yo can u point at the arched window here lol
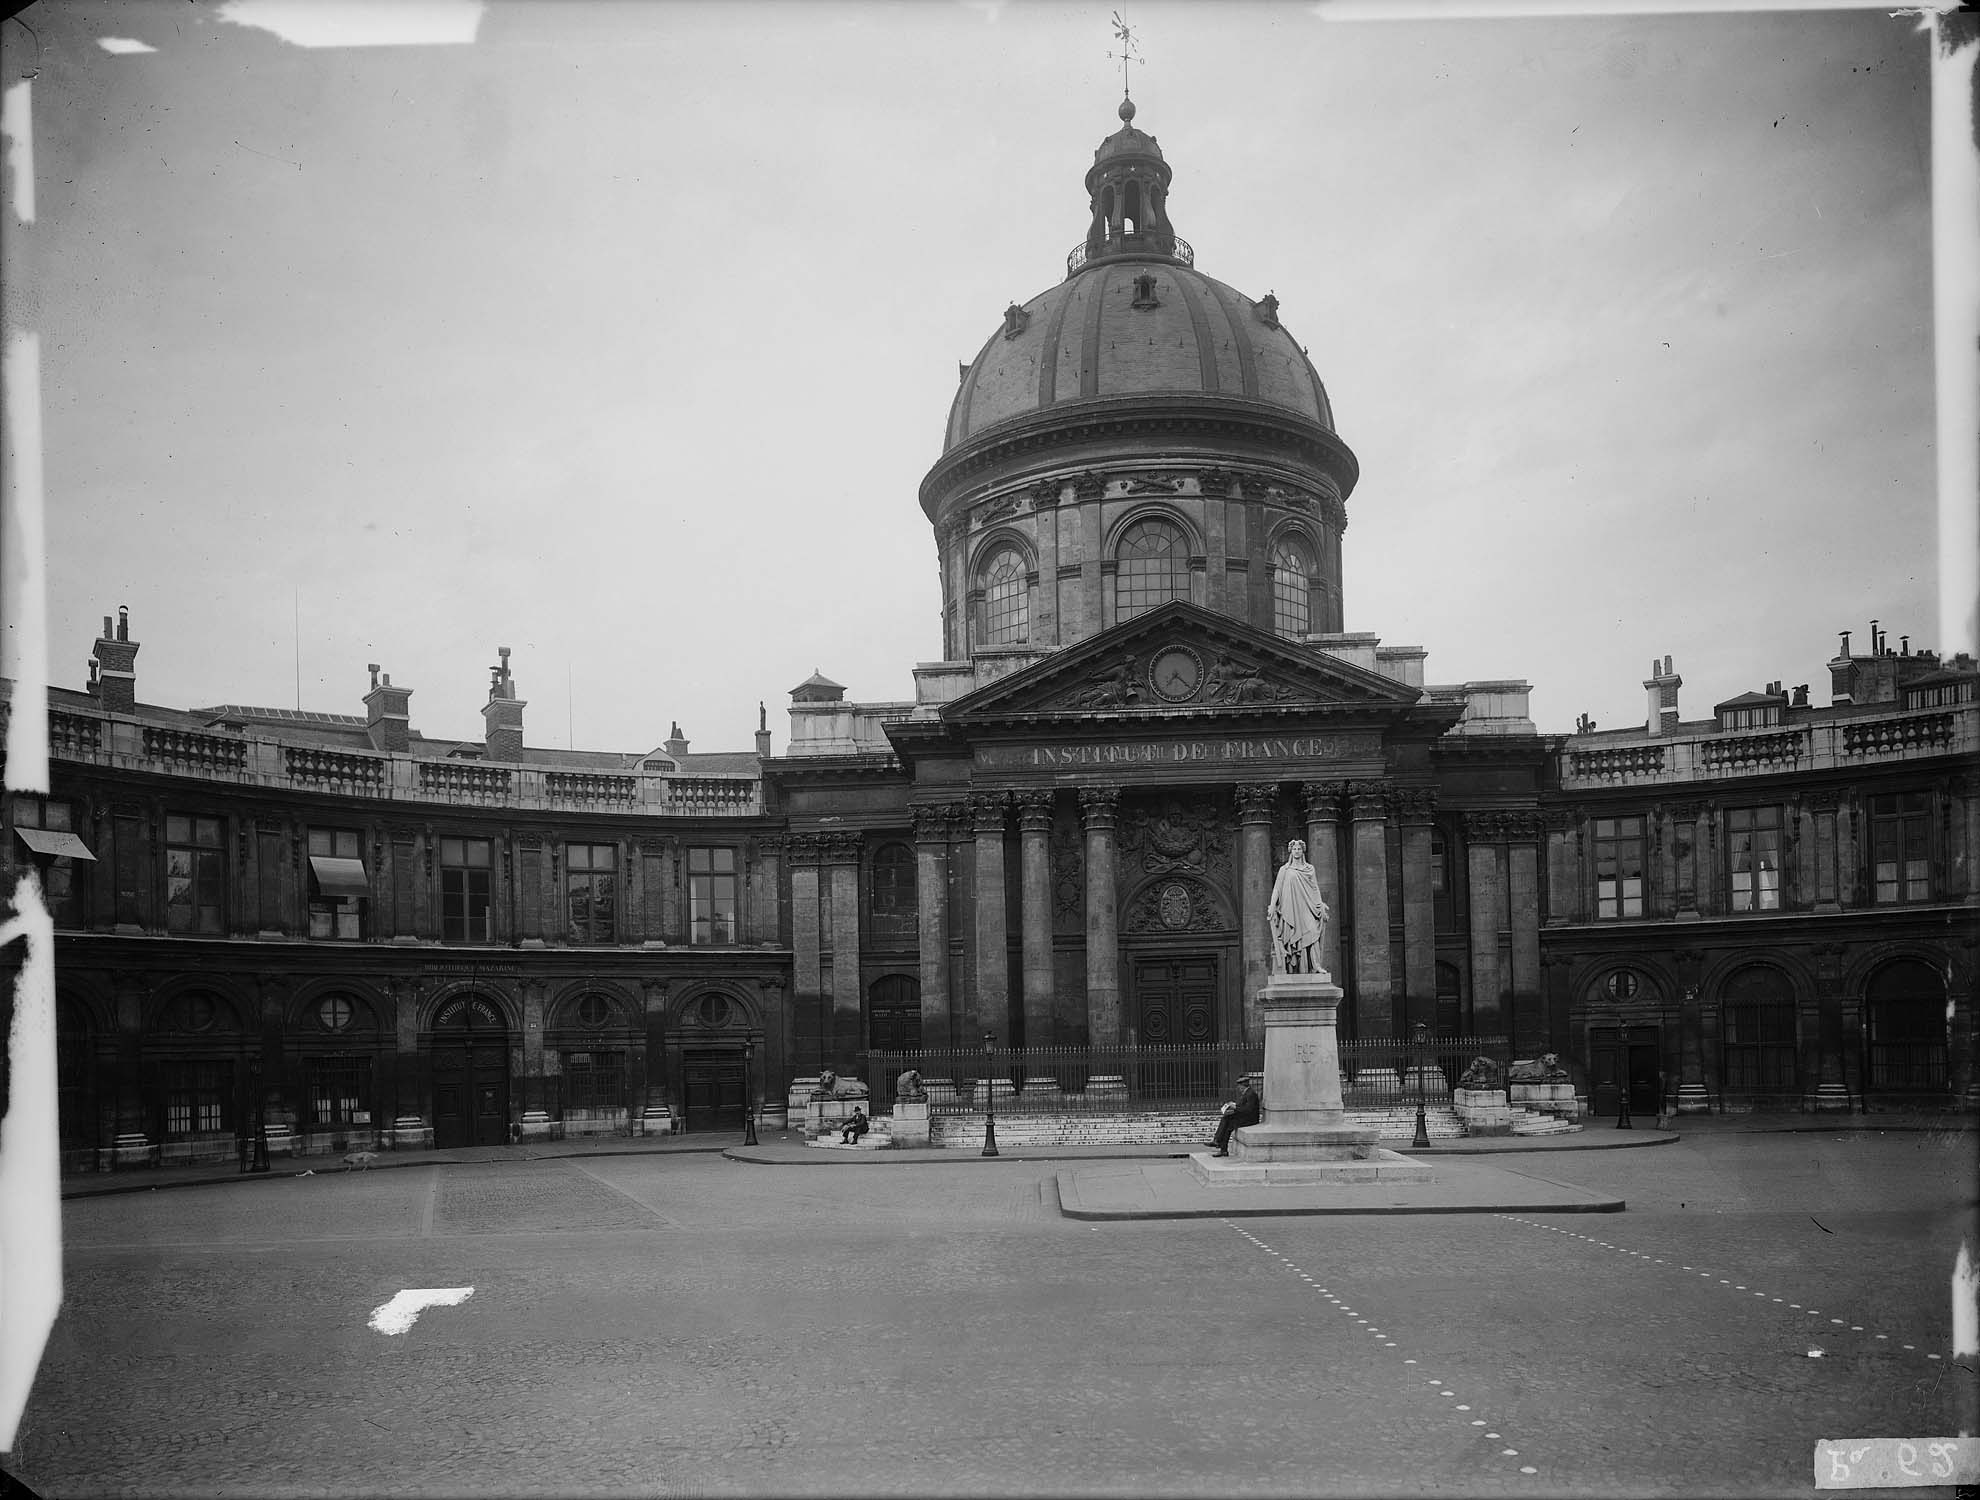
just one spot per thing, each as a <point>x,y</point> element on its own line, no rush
<point>1006,601</point>
<point>1757,1034</point>
<point>1905,1014</point>
<point>1292,588</point>
<point>1152,567</point>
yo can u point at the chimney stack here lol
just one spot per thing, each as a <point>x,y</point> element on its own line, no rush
<point>503,713</point>
<point>113,663</point>
<point>676,743</point>
<point>1662,688</point>
<point>387,713</point>
<point>762,731</point>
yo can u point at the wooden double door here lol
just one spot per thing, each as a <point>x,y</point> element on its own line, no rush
<point>470,1091</point>
<point>1176,998</point>
<point>713,1090</point>
<point>1625,1057</point>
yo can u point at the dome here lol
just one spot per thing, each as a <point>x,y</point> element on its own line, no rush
<point>1131,326</point>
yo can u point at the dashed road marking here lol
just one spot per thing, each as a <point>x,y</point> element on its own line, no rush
<point>1433,1381</point>
<point>1724,1281</point>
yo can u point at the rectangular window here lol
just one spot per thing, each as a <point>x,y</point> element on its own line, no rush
<point>63,891</point>
<point>1618,868</point>
<point>591,892</point>
<point>711,895</point>
<point>338,1090</point>
<point>464,890</point>
<point>1900,864</point>
<point>198,1098</point>
<point>194,874</point>
<point>336,906</point>
<point>1753,853</point>
<point>594,1080</point>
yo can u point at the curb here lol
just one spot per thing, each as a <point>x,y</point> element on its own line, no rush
<point>133,1185</point>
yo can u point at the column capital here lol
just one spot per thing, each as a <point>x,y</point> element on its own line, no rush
<point>1035,810</point>
<point>1687,812</point>
<point>933,821</point>
<point>805,848</point>
<point>1098,805</point>
<point>769,845</point>
<point>1521,825</point>
<point>989,811</point>
<point>841,848</point>
<point>1486,827</point>
<point>1256,801</point>
<point>1413,804</point>
<point>1323,798</point>
<point>1558,819</point>
<point>1367,800</point>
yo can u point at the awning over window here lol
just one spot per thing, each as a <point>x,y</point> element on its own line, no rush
<point>54,845</point>
<point>339,877</point>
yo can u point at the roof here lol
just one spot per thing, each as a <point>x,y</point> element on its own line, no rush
<point>1099,335</point>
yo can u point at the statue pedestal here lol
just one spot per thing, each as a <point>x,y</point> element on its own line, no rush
<point>1303,1134</point>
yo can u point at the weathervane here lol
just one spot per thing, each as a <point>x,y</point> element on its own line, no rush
<point>1130,50</point>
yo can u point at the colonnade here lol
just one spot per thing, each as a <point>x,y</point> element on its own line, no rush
<point>1347,826</point>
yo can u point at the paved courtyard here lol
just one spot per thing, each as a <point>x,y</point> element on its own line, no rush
<point>687,1325</point>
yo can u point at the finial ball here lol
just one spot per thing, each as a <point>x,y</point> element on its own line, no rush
<point>1126,111</point>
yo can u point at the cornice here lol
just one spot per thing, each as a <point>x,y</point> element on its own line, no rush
<point>1112,418</point>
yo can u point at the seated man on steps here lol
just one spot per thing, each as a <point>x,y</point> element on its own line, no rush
<point>855,1128</point>
<point>1242,1112</point>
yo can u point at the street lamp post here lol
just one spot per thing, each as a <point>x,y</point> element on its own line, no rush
<point>749,1101</point>
<point>1422,1141</point>
<point>989,1094</point>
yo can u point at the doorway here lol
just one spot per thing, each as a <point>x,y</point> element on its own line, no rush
<point>712,1090</point>
<point>470,1074</point>
<point>1175,1009</point>
<point>1625,1057</point>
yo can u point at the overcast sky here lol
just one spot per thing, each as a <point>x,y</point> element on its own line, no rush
<point>624,336</point>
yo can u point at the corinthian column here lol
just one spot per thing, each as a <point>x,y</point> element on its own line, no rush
<point>931,890</point>
<point>993,964</point>
<point>1416,808</point>
<point>1374,1007</point>
<point>1035,879</point>
<point>1255,803</point>
<point>1098,805</point>
<point>1323,852</point>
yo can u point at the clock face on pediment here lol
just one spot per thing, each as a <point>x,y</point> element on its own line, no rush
<point>1176,673</point>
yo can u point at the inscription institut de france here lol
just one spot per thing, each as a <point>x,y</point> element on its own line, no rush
<point>1209,752</point>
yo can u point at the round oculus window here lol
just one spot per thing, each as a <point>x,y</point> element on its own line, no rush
<point>1623,985</point>
<point>335,1013</point>
<point>593,1010</point>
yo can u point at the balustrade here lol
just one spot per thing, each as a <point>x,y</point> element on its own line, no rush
<point>201,752</point>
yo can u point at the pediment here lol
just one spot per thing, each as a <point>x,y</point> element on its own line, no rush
<point>1180,658</point>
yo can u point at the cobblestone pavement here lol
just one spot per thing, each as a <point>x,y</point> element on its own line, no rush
<point>688,1325</point>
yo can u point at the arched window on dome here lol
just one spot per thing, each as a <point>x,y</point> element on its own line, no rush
<point>1151,568</point>
<point>1292,588</point>
<point>1006,600</point>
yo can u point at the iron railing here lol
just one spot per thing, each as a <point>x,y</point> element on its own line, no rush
<point>1148,243</point>
<point>1904,1067</point>
<point>1130,1079</point>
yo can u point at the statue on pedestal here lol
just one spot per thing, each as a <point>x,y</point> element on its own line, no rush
<point>1298,915</point>
<point>909,1089</point>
